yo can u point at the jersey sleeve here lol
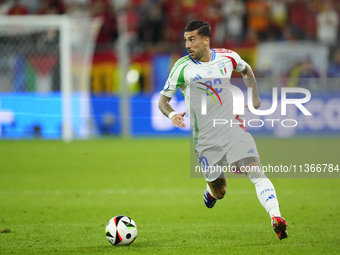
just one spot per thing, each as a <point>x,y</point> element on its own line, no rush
<point>238,63</point>
<point>169,89</point>
<point>175,79</point>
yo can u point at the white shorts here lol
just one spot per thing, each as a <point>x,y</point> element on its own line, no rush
<point>242,146</point>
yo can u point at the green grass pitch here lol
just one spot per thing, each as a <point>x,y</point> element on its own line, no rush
<point>56,198</point>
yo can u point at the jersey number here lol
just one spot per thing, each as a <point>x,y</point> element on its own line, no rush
<point>213,84</point>
<point>203,161</point>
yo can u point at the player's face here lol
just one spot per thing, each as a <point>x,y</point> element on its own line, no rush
<point>196,44</point>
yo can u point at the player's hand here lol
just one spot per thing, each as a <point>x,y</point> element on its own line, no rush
<point>178,120</point>
<point>256,104</point>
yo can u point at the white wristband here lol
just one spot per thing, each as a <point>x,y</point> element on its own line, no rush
<point>172,114</point>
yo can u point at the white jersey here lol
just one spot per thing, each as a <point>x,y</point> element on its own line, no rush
<point>195,79</point>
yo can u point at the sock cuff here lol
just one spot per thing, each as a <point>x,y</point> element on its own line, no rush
<point>210,192</point>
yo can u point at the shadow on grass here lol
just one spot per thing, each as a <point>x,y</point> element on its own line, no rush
<point>135,245</point>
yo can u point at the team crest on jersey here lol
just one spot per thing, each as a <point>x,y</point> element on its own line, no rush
<point>222,67</point>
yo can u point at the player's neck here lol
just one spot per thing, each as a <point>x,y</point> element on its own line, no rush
<point>206,57</point>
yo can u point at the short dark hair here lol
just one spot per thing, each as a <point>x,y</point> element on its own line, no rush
<point>203,28</point>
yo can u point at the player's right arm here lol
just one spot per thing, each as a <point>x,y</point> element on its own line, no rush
<point>164,106</point>
<point>175,79</point>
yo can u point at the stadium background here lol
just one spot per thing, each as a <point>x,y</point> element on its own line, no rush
<point>57,197</point>
<point>284,47</point>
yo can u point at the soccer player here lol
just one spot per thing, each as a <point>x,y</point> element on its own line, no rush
<point>223,144</point>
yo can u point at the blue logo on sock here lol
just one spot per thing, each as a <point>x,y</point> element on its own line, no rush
<point>270,197</point>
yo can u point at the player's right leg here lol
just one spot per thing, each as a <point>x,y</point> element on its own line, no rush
<point>216,189</point>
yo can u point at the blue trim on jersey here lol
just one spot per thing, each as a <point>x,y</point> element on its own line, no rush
<point>195,61</point>
<point>213,55</point>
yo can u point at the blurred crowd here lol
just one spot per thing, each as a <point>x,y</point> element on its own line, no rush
<point>241,22</point>
<point>159,24</point>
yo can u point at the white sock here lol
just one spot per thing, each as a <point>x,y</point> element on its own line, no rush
<point>209,190</point>
<point>265,192</point>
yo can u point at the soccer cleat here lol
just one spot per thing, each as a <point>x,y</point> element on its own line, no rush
<point>209,200</point>
<point>280,227</point>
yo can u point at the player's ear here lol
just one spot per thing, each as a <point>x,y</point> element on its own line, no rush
<point>206,41</point>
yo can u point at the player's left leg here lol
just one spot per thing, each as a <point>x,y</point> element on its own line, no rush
<point>265,192</point>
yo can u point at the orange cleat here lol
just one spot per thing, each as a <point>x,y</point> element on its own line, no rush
<point>280,227</point>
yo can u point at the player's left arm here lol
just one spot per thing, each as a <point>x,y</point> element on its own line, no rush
<point>250,81</point>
